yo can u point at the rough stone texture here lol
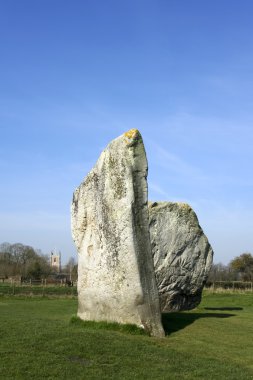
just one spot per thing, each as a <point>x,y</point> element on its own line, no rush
<point>116,280</point>
<point>182,255</point>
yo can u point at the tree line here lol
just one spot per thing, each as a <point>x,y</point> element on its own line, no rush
<point>239,269</point>
<point>25,261</point>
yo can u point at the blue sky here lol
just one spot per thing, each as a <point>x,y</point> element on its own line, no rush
<point>74,75</point>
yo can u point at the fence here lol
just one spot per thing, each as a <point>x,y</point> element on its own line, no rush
<point>42,289</point>
<point>230,285</point>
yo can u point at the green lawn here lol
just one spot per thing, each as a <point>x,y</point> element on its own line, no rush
<point>215,341</point>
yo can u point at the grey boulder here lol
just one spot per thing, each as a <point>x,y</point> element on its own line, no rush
<point>181,253</point>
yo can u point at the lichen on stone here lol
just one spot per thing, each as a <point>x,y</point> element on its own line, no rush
<point>132,137</point>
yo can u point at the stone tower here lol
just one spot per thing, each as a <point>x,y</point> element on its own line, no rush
<point>55,260</point>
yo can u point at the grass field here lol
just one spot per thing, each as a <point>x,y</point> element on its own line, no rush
<point>38,341</point>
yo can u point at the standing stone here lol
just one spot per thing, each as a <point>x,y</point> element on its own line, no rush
<point>110,227</point>
<point>182,255</point>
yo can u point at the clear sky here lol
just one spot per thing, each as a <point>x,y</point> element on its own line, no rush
<point>76,74</point>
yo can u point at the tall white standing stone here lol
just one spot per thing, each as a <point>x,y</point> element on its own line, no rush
<point>116,280</point>
<point>182,255</point>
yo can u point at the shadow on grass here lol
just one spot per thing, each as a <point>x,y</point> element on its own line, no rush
<point>224,308</point>
<point>173,322</point>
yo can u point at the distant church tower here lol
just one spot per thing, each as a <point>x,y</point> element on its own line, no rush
<point>55,260</point>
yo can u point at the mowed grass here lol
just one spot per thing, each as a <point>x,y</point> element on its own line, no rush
<point>40,339</point>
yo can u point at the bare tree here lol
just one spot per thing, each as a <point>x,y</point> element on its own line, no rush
<point>243,266</point>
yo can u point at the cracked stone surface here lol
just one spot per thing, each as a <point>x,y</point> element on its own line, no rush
<point>182,255</point>
<point>110,227</point>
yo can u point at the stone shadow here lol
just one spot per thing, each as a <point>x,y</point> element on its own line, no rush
<point>173,322</point>
<point>223,308</point>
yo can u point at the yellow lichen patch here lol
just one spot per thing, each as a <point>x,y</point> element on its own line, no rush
<point>132,133</point>
<point>132,137</point>
<point>184,205</point>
